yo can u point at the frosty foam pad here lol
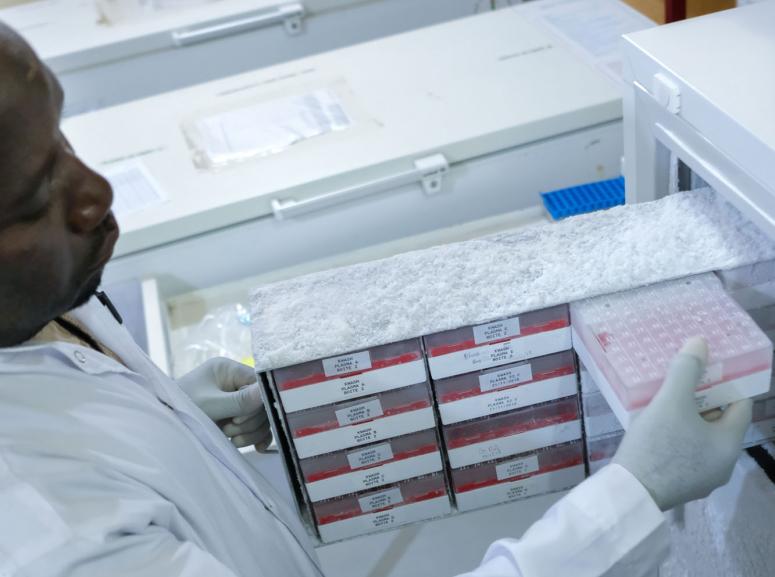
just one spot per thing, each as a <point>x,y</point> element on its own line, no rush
<point>626,341</point>
<point>500,276</point>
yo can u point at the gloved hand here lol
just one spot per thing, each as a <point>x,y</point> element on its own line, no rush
<point>228,393</point>
<point>677,454</point>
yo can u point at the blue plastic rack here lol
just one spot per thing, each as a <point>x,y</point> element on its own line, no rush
<point>585,198</point>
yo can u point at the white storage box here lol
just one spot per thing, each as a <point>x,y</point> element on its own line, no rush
<point>492,391</point>
<point>545,471</point>
<point>499,342</point>
<point>513,433</point>
<point>351,376</point>
<point>407,502</point>
<point>364,468</point>
<point>361,422</point>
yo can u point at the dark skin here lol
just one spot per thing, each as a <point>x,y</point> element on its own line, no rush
<point>57,231</point>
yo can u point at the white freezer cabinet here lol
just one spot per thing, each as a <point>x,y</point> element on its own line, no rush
<point>107,52</point>
<point>392,138</point>
<point>709,106</point>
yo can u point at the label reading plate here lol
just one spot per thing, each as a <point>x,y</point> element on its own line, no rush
<point>505,378</point>
<point>359,413</point>
<point>345,364</point>
<point>370,456</point>
<point>496,331</point>
<point>517,468</point>
<point>381,500</point>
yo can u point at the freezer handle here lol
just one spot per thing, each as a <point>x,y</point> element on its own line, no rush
<point>289,15</point>
<point>427,172</point>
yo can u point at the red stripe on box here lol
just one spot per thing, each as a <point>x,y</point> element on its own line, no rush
<point>514,429</point>
<point>476,391</point>
<point>525,332</point>
<point>357,512</point>
<point>424,450</point>
<point>375,365</point>
<point>490,482</point>
<point>330,425</point>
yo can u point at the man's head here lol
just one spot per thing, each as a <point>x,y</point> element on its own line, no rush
<point>56,228</point>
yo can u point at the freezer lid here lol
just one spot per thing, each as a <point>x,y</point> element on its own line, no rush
<point>722,66</point>
<point>72,34</point>
<point>453,91</point>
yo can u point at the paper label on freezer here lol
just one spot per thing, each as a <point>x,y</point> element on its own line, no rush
<point>505,378</point>
<point>134,189</point>
<point>370,456</point>
<point>359,413</point>
<point>345,364</point>
<point>266,128</point>
<point>517,467</point>
<point>381,500</point>
<point>496,331</point>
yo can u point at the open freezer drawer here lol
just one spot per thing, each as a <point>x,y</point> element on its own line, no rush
<point>439,126</point>
<point>107,52</point>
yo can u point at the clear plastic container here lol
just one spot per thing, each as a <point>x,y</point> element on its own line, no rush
<point>470,337</point>
<point>632,336</point>
<point>522,467</point>
<point>314,372</point>
<point>381,406</point>
<point>764,410</point>
<point>473,384</point>
<point>748,276</point>
<point>764,317</point>
<point>601,450</point>
<point>599,419</point>
<point>383,499</point>
<point>369,456</point>
<point>511,423</point>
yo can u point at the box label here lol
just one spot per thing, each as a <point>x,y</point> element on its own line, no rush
<point>359,413</point>
<point>381,500</point>
<point>370,480</point>
<point>505,378</point>
<point>370,456</point>
<point>517,468</point>
<point>496,331</point>
<point>347,364</point>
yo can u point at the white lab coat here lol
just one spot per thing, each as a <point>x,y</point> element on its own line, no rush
<point>111,470</point>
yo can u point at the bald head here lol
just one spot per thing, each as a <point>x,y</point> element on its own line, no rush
<point>56,228</point>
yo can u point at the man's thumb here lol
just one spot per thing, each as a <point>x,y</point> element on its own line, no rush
<point>684,374</point>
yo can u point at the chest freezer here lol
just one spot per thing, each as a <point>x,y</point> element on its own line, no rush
<point>701,91</point>
<point>396,137</point>
<point>107,52</point>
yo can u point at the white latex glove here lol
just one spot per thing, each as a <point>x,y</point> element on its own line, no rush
<point>677,454</point>
<point>228,393</point>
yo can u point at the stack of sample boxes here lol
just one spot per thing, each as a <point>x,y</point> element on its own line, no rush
<point>602,430</point>
<point>753,287</point>
<point>507,394</point>
<point>365,440</point>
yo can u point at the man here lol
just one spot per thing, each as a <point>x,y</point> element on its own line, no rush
<point>108,467</point>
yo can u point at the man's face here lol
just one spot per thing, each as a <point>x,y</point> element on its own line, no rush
<point>56,228</point>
